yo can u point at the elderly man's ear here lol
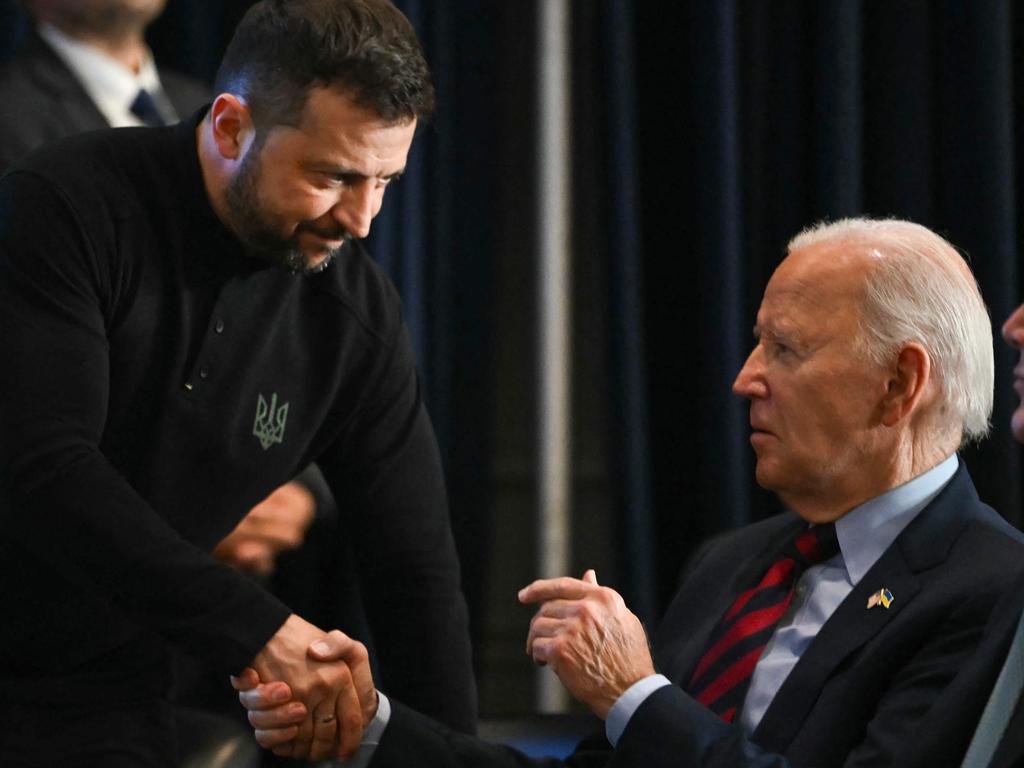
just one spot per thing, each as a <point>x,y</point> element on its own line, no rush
<point>907,384</point>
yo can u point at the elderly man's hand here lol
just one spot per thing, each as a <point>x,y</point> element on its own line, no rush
<point>585,633</point>
<point>276,524</point>
<point>309,694</point>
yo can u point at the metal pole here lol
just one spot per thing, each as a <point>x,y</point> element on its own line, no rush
<point>555,310</point>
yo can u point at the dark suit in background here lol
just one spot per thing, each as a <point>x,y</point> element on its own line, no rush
<point>43,101</point>
<point>859,693</point>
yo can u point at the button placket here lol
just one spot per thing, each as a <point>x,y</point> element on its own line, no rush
<point>204,367</point>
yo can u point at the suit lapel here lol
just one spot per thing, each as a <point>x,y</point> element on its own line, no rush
<point>924,544</point>
<point>53,78</point>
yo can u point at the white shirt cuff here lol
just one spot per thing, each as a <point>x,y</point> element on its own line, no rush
<point>372,735</point>
<point>628,703</point>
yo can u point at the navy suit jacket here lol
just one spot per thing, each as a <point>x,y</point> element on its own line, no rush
<point>857,695</point>
<point>43,100</point>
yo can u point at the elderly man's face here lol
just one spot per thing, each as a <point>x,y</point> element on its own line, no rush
<point>813,398</point>
<point>1013,332</point>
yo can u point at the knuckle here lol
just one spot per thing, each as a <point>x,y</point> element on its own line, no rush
<point>322,682</point>
<point>587,611</point>
<point>359,652</point>
<point>338,636</point>
<point>344,676</point>
<point>558,653</point>
<point>353,721</point>
<point>540,651</point>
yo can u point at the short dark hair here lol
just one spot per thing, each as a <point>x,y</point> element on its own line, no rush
<point>282,48</point>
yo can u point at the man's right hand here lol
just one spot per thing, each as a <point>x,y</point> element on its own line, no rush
<point>320,704</point>
<point>278,523</point>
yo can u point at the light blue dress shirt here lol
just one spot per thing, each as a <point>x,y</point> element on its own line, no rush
<point>372,735</point>
<point>864,533</point>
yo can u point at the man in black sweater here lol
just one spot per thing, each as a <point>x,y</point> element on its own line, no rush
<point>187,318</point>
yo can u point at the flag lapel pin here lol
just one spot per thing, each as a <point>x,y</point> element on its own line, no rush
<point>882,597</point>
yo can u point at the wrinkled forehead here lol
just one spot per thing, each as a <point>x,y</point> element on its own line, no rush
<point>822,277</point>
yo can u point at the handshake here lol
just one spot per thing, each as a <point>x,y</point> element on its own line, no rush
<point>311,694</point>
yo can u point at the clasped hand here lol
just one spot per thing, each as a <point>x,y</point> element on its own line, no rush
<point>317,708</point>
<point>589,638</point>
<point>309,694</point>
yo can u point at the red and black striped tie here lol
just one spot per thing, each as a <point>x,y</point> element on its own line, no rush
<point>722,677</point>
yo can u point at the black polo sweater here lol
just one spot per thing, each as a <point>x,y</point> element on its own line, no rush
<point>156,383</point>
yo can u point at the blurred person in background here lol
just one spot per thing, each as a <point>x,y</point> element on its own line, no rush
<point>86,66</point>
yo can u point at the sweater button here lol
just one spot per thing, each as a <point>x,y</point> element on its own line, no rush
<point>218,325</point>
<point>204,372</point>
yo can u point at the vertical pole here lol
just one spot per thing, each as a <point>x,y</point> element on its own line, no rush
<point>555,309</point>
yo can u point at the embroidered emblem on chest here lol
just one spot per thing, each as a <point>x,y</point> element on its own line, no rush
<point>270,421</point>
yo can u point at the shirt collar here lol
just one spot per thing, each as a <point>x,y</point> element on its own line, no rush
<point>111,86</point>
<point>865,532</point>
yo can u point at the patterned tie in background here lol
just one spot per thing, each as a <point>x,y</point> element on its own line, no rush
<point>722,677</point>
<point>144,107</point>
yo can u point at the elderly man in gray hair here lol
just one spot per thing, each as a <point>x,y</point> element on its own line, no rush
<point>823,635</point>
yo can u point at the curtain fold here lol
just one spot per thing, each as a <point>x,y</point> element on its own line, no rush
<point>629,364</point>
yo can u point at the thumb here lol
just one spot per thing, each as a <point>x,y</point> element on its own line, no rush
<point>334,646</point>
<point>590,576</point>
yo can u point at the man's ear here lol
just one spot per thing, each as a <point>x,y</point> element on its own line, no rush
<point>231,126</point>
<point>907,383</point>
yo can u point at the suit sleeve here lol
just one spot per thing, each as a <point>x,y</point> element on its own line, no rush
<point>63,501</point>
<point>671,729</point>
<point>387,480</point>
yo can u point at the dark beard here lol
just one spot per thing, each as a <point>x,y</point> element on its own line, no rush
<point>250,222</point>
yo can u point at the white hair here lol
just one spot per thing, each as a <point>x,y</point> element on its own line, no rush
<point>921,290</point>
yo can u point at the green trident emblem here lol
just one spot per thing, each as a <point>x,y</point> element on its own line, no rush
<point>270,421</point>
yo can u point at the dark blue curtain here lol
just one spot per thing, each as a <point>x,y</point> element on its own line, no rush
<point>609,277</point>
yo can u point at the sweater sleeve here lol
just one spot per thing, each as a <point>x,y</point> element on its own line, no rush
<point>64,503</point>
<point>387,477</point>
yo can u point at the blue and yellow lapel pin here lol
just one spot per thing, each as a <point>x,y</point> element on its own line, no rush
<point>882,597</point>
